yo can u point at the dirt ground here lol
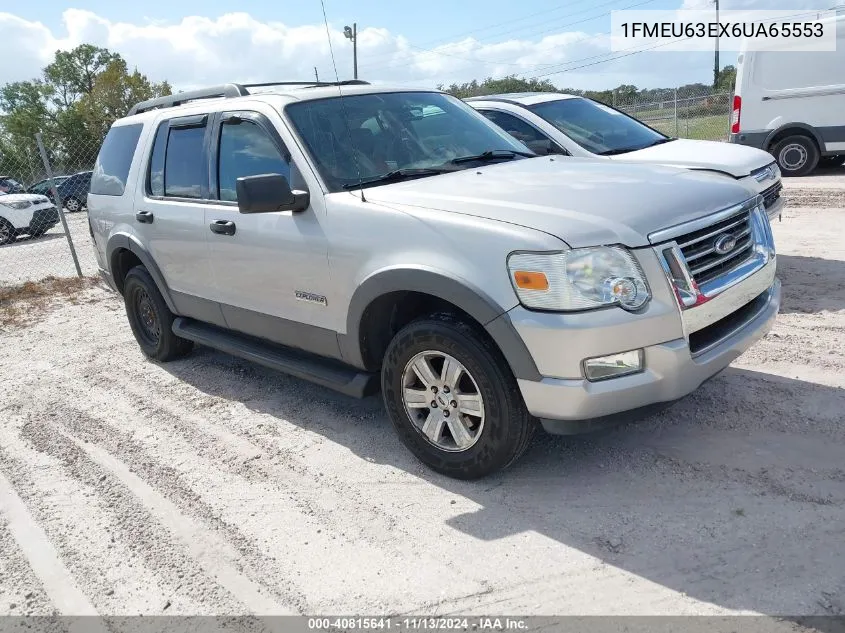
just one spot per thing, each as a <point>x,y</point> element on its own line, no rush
<point>213,486</point>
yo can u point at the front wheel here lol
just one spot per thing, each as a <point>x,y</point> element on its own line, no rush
<point>453,400</point>
<point>796,155</point>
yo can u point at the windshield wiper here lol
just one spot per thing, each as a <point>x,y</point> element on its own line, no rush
<point>621,150</point>
<point>625,150</point>
<point>659,141</point>
<point>397,175</point>
<point>492,154</point>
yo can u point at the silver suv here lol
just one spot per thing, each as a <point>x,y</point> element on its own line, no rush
<point>369,238</point>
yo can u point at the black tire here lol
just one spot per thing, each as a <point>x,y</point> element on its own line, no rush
<point>831,161</point>
<point>507,428</point>
<point>796,155</point>
<point>7,232</point>
<point>150,318</point>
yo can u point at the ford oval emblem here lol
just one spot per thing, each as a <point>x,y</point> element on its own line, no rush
<point>724,244</point>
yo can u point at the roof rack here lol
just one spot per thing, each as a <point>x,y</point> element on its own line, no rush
<point>229,91</point>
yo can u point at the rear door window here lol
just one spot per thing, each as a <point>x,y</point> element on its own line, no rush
<point>178,163</point>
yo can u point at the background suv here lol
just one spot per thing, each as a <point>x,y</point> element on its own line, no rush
<point>73,190</point>
<point>370,238</point>
<point>42,187</point>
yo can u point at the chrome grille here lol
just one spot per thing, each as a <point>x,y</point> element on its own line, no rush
<point>701,248</point>
<point>771,195</point>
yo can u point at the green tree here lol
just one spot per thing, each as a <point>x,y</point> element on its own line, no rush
<point>727,79</point>
<point>75,101</point>
<point>490,86</point>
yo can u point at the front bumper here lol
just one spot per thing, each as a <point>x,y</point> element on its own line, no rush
<point>671,372</point>
<point>683,347</point>
<point>43,219</point>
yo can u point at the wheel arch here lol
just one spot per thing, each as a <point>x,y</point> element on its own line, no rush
<point>390,298</point>
<point>790,129</point>
<point>122,250</point>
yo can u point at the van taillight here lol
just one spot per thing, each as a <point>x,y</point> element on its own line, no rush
<point>735,114</point>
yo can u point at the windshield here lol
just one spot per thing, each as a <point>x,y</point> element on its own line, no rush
<point>393,132</point>
<point>597,128</point>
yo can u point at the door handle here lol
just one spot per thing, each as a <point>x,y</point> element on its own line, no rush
<point>222,227</point>
<point>144,217</point>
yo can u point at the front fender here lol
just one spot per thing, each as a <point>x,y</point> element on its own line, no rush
<point>459,292</point>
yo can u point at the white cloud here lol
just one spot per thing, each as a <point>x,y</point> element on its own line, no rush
<point>199,51</point>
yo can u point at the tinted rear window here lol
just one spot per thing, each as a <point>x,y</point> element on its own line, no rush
<point>185,170</point>
<point>114,160</point>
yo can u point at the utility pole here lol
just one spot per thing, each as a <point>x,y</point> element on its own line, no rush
<point>316,76</point>
<point>352,34</point>
<point>716,60</point>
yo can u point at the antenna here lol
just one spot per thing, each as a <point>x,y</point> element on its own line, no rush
<point>342,104</point>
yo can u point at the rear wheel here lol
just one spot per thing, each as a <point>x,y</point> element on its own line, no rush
<point>796,155</point>
<point>73,204</point>
<point>452,398</point>
<point>150,318</point>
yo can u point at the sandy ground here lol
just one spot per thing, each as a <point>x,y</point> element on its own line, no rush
<point>212,486</point>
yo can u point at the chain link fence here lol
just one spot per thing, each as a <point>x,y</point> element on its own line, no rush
<point>681,113</point>
<point>44,228</point>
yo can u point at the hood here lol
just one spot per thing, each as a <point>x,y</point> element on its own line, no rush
<point>737,160</point>
<point>583,201</point>
<point>34,198</point>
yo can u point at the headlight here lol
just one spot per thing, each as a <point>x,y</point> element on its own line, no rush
<point>579,279</point>
<point>17,204</point>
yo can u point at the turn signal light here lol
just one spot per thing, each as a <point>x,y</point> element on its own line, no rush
<point>528,280</point>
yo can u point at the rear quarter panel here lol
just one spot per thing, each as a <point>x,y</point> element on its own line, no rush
<point>110,215</point>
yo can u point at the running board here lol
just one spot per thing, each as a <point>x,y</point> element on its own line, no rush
<point>322,371</point>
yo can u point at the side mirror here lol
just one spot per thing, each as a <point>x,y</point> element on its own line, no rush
<point>266,193</point>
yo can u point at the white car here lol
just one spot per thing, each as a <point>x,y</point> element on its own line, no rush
<point>25,213</point>
<point>555,123</point>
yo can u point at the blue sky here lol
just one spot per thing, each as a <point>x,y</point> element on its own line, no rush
<point>194,42</point>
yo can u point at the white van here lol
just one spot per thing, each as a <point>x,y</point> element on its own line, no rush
<point>792,104</point>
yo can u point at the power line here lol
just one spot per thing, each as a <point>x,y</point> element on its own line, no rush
<point>490,26</point>
<point>503,63</point>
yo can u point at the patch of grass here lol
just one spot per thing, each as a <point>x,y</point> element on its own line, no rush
<point>20,304</point>
<point>740,512</point>
<point>705,128</point>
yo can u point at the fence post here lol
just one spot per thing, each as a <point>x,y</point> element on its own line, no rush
<point>676,113</point>
<point>57,201</point>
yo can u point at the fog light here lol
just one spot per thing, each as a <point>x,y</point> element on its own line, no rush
<point>613,366</point>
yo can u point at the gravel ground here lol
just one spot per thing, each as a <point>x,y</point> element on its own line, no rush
<point>212,486</point>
